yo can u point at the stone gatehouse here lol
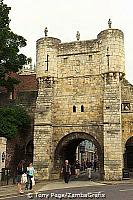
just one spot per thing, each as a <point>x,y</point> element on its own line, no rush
<point>82,95</point>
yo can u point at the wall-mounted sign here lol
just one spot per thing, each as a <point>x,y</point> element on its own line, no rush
<point>3,156</point>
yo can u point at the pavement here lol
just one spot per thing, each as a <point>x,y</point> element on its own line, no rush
<point>71,184</point>
<point>6,192</point>
<point>11,190</point>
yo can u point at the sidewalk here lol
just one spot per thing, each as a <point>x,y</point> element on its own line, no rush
<point>11,190</point>
<point>71,184</point>
<point>130,181</point>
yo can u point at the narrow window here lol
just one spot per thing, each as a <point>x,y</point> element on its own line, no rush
<point>65,60</point>
<point>69,81</point>
<point>74,108</point>
<point>82,108</point>
<point>90,57</point>
<point>47,62</point>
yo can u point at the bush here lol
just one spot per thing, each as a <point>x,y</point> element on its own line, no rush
<point>12,121</point>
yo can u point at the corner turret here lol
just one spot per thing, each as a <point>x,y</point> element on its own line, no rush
<point>112,67</point>
<point>111,45</point>
<point>46,56</point>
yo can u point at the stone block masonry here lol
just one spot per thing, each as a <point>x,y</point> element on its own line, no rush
<point>85,74</point>
<point>112,127</point>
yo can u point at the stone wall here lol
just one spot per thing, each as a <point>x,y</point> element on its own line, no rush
<point>16,150</point>
<point>127,114</point>
<point>79,74</point>
<point>78,92</point>
<point>112,127</point>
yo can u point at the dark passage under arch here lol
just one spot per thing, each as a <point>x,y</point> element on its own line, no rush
<point>129,154</point>
<point>66,149</point>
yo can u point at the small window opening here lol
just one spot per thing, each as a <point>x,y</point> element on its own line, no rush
<point>107,107</point>
<point>74,108</point>
<point>90,57</point>
<point>65,60</point>
<point>82,108</point>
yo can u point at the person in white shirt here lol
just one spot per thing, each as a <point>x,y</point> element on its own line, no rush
<point>30,174</point>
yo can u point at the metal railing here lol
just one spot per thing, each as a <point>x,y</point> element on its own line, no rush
<point>6,177</point>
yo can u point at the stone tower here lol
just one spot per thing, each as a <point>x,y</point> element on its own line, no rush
<point>72,75</point>
<point>112,69</point>
<point>43,130</point>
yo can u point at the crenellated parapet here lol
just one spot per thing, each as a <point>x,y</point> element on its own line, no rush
<point>101,55</point>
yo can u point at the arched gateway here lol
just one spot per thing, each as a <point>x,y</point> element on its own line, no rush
<point>66,149</point>
<point>79,97</point>
<point>128,156</point>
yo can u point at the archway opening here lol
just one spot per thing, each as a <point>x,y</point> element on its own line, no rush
<point>29,151</point>
<point>78,146</point>
<point>129,154</point>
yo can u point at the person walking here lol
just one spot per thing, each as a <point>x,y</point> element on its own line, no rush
<point>20,171</point>
<point>89,166</point>
<point>30,174</point>
<point>77,168</point>
<point>66,171</point>
<point>95,165</point>
<point>83,165</point>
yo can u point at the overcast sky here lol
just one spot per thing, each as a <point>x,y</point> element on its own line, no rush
<point>64,17</point>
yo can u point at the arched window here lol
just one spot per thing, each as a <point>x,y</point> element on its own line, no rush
<point>74,108</point>
<point>82,108</point>
<point>29,152</point>
<point>29,148</point>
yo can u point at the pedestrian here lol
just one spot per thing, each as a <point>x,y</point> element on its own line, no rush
<point>95,165</point>
<point>66,171</point>
<point>30,175</point>
<point>83,164</point>
<point>89,166</point>
<point>77,168</point>
<point>20,171</point>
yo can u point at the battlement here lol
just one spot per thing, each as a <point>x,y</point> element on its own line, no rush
<point>78,47</point>
<point>81,58</point>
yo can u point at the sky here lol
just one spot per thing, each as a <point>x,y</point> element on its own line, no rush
<point>65,17</point>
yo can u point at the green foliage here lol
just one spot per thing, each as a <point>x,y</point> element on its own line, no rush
<point>10,43</point>
<point>12,121</point>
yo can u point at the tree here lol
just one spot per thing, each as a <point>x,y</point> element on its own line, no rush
<point>12,121</point>
<point>10,44</point>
